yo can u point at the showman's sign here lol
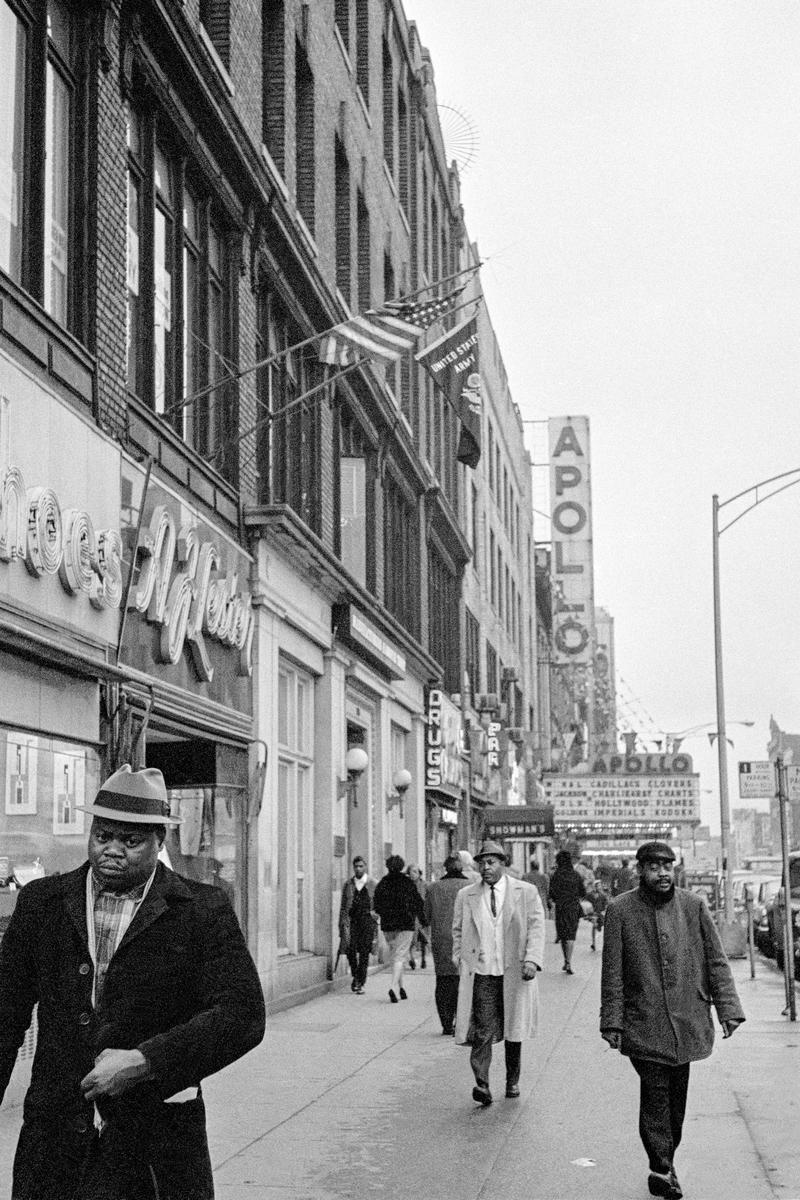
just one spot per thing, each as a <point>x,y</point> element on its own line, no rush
<point>571,509</point>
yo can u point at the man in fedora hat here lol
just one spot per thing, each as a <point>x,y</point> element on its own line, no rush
<point>498,947</point>
<point>145,986</point>
<point>663,968</point>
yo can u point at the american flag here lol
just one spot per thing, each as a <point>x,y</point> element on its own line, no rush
<point>386,333</point>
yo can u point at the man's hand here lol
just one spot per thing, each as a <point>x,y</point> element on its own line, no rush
<point>529,970</point>
<point>613,1037</point>
<point>113,1072</point>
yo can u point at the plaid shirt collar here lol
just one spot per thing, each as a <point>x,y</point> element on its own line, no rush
<point>108,915</point>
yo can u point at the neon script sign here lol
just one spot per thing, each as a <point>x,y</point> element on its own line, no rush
<point>52,540</point>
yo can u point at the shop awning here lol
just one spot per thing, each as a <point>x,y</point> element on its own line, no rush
<point>519,822</point>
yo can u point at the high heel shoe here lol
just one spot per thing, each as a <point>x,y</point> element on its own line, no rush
<point>412,964</point>
<point>403,995</point>
<point>392,996</point>
<point>569,970</point>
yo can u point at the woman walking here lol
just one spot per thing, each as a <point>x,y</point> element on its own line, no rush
<point>399,905</point>
<point>420,939</point>
<point>566,893</point>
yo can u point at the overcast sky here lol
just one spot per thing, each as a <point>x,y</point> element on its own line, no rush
<point>636,191</point>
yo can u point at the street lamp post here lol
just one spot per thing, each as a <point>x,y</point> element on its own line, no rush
<point>778,483</point>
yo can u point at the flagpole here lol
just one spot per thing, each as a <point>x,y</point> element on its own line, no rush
<point>279,412</point>
<point>235,376</point>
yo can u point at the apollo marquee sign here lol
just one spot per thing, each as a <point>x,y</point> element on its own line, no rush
<point>571,519</point>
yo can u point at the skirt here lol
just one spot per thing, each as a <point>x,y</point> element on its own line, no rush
<point>399,943</point>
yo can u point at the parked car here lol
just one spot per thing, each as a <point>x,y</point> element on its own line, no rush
<point>775,918</point>
<point>767,890</point>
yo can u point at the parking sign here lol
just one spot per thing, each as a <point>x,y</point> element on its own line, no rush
<point>757,780</point>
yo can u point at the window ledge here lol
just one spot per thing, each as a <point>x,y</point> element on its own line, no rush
<point>275,174</point>
<point>215,58</point>
<point>345,53</point>
<point>363,104</point>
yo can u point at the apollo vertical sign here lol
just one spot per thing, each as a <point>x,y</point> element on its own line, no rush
<point>571,509</point>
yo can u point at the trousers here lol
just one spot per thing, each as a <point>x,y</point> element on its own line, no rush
<point>662,1108</point>
<point>446,997</point>
<point>487,1028</point>
<point>358,958</point>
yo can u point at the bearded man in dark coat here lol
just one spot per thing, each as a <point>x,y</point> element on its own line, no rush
<point>663,968</point>
<point>145,986</point>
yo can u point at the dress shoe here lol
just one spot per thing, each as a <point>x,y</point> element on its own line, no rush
<point>359,990</point>
<point>512,1091</point>
<point>481,1094</point>
<point>569,970</point>
<point>403,995</point>
<point>662,1185</point>
<point>392,996</point>
<point>412,964</point>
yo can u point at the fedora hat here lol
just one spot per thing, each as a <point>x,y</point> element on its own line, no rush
<point>134,797</point>
<point>488,848</point>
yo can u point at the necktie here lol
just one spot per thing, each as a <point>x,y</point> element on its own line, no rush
<point>492,901</point>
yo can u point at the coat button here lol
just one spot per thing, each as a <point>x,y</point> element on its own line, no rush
<point>84,1019</point>
<point>84,969</point>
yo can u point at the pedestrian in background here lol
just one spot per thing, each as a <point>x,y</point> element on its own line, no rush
<point>498,947</point>
<point>623,879</point>
<point>540,881</point>
<point>566,892</point>
<point>468,866</point>
<point>584,870</point>
<point>357,925</point>
<point>399,905</point>
<point>145,986</point>
<point>419,941</point>
<point>599,901</point>
<point>663,968</point>
<point>439,905</point>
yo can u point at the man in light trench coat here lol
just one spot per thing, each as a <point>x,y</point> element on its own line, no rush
<point>498,947</point>
<point>663,968</point>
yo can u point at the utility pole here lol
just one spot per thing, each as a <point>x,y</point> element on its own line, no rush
<point>788,939</point>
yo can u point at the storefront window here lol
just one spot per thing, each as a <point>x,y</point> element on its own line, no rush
<point>42,831</point>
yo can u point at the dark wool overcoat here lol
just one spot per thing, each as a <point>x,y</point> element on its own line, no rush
<point>440,902</point>
<point>663,968</point>
<point>181,988</point>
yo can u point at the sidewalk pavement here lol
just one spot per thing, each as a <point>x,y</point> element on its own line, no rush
<point>353,1096</point>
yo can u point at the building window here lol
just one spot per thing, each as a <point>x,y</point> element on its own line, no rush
<point>304,137</point>
<point>342,222</point>
<point>475,542</point>
<point>288,441</point>
<point>178,294</point>
<point>403,156</point>
<point>492,673</point>
<point>401,556</point>
<point>388,107</point>
<point>341,15</point>
<point>40,48</point>
<point>492,571</point>
<point>473,653</point>
<point>362,48</point>
<point>490,455</point>
<point>443,619</point>
<point>364,254</point>
<point>215,17</point>
<point>274,93</point>
<point>293,868</point>
<point>356,501</point>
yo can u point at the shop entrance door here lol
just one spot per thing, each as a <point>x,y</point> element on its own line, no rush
<point>207,787</point>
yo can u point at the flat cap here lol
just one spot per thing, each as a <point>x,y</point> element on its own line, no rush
<point>650,851</point>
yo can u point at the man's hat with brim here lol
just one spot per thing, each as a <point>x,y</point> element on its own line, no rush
<point>133,798</point>
<point>488,848</point>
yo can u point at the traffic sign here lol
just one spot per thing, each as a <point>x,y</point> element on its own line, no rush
<point>793,783</point>
<point>757,780</point>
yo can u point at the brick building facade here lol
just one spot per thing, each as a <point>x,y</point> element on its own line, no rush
<point>271,560</point>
